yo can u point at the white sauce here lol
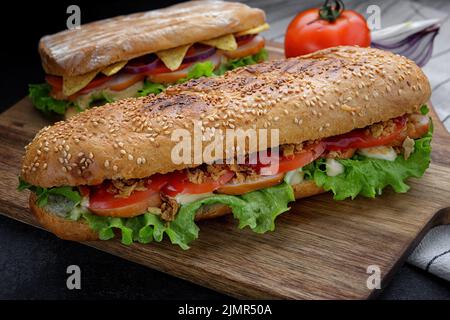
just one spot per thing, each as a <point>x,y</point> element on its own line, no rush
<point>380,152</point>
<point>188,198</point>
<point>334,167</point>
<point>294,177</point>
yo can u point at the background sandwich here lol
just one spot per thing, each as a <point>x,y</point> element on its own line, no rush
<point>350,120</point>
<point>143,53</point>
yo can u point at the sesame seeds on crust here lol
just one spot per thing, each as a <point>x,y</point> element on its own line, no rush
<point>322,94</point>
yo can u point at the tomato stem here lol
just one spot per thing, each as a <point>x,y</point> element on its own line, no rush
<point>331,10</point>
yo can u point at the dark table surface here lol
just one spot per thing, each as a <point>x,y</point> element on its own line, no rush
<point>33,262</point>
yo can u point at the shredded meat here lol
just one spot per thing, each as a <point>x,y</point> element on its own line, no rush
<point>340,154</point>
<point>381,129</point>
<point>169,208</point>
<point>205,172</point>
<point>289,149</point>
<point>124,188</point>
<point>408,147</point>
<point>243,173</point>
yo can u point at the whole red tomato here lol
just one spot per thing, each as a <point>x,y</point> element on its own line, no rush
<point>328,26</point>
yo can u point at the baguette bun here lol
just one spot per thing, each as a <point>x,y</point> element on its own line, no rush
<point>80,231</point>
<point>323,94</point>
<point>99,44</point>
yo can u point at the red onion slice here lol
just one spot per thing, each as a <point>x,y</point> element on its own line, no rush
<point>201,55</point>
<point>142,64</point>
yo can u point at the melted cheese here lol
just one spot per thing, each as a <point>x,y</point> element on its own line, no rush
<point>74,84</point>
<point>173,58</point>
<point>254,30</point>
<point>114,68</point>
<point>380,152</point>
<point>226,42</point>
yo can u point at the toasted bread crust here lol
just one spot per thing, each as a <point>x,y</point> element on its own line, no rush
<point>323,94</point>
<point>99,44</point>
<point>80,231</point>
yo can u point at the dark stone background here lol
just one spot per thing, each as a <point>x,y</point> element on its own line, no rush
<point>33,262</point>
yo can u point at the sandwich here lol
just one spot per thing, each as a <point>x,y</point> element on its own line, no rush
<point>142,53</point>
<point>350,121</point>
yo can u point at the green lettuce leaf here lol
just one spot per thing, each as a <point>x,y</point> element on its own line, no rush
<point>424,109</point>
<point>198,70</point>
<point>368,177</point>
<point>257,210</point>
<point>100,98</point>
<point>42,194</point>
<point>39,95</point>
<point>258,57</point>
<point>151,88</point>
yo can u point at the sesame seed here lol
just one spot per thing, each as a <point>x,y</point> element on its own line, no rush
<point>106,164</point>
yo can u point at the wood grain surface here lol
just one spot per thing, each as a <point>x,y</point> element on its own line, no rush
<point>320,249</point>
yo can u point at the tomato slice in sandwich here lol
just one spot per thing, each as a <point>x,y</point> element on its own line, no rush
<point>104,203</point>
<point>246,48</point>
<point>258,183</point>
<point>57,82</point>
<point>178,182</point>
<point>269,165</point>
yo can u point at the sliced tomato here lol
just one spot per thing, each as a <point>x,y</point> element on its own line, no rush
<point>104,203</point>
<point>54,81</point>
<point>245,39</point>
<point>161,68</point>
<point>178,182</point>
<point>274,164</point>
<point>122,81</point>
<point>157,181</point>
<point>252,185</point>
<point>247,49</point>
<point>169,77</point>
<point>57,83</point>
<point>359,138</point>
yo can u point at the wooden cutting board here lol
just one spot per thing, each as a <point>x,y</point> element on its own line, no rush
<point>320,249</point>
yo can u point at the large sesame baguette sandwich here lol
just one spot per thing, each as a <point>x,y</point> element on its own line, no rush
<point>347,120</point>
<point>143,53</point>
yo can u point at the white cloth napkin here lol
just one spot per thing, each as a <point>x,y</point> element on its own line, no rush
<point>433,253</point>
